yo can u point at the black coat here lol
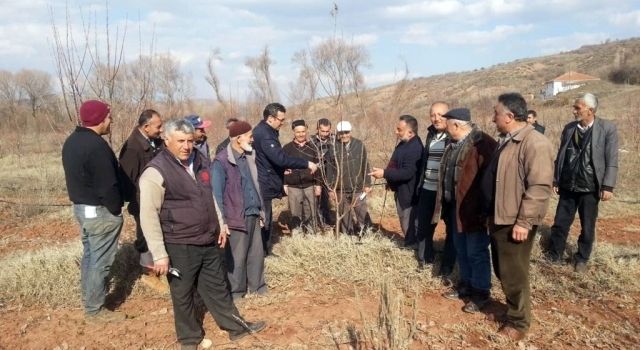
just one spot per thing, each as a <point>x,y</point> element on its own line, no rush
<point>91,171</point>
<point>403,170</point>
<point>272,161</point>
<point>135,154</point>
<point>302,178</point>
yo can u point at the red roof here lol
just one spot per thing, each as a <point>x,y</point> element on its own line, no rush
<point>575,76</point>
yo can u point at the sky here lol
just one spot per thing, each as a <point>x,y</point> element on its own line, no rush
<point>432,37</point>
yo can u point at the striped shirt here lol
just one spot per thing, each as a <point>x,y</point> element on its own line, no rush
<point>436,150</point>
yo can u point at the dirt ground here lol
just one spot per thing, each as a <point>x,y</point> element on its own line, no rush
<point>306,318</point>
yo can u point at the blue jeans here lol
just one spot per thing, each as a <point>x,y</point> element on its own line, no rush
<point>99,232</point>
<point>472,254</point>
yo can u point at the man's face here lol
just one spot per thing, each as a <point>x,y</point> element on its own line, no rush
<point>200,135</point>
<point>403,132</point>
<point>324,131</point>
<point>278,121</point>
<point>502,117</point>
<point>106,125</point>
<point>180,144</point>
<point>582,112</point>
<point>435,114</point>
<point>245,141</point>
<point>153,128</point>
<point>300,134</point>
<point>453,129</point>
<point>344,136</point>
<point>531,119</point>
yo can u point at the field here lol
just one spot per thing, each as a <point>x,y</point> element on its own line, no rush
<point>327,292</point>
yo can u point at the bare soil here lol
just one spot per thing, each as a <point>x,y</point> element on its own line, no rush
<point>307,318</point>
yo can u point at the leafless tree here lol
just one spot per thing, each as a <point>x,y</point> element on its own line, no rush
<point>36,87</point>
<point>212,76</point>
<point>304,90</point>
<point>262,86</point>
<point>9,95</point>
<point>173,87</point>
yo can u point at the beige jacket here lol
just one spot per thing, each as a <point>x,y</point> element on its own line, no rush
<point>524,179</point>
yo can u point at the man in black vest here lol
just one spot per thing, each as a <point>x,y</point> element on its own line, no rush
<point>186,236</point>
<point>585,173</point>
<point>91,172</point>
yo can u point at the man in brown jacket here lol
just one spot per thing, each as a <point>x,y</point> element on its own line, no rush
<point>517,186</point>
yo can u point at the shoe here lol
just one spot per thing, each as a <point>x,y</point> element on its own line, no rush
<point>456,293</point>
<point>446,281</point>
<point>250,328</point>
<point>421,266</point>
<point>105,315</point>
<point>511,333</point>
<point>475,304</point>
<point>580,267</point>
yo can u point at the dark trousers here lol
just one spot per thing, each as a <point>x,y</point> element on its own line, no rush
<point>424,227</point>
<point>350,205</point>
<point>407,222</point>
<point>511,266</point>
<point>587,206</point>
<point>245,259</point>
<point>202,270</point>
<point>449,251</point>
<point>268,226</point>
<point>324,208</point>
<point>140,243</point>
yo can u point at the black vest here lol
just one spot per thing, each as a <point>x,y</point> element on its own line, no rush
<point>188,214</point>
<point>578,174</point>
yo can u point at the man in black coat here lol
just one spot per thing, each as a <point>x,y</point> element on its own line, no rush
<point>402,172</point>
<point>586,171</point>
<point>272,162</point>
<point>141,146</point>
<point>92,175</point>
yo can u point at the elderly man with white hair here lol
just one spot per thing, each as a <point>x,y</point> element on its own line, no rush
<point>349,182</point>
<point>585,173</point>
<point>186,235</point>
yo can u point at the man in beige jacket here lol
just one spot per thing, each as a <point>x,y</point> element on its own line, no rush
<point>516,186</point>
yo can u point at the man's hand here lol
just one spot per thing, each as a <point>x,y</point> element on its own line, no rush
<point>366,190</point>
<point>333,196</point>
<point>288,172</point>
<point>313,167</point>
<point>286,190</point>
<point>377,173</point>
<point>519,233</point>
<point>222,237</point>
<point>556,190</point>
<point>605,195</point>
<point>161,266</point>
<point>317,190</point>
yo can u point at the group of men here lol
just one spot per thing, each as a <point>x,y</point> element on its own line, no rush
<point>205,220</point>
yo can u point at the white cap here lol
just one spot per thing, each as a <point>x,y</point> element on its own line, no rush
<point>343,126</point>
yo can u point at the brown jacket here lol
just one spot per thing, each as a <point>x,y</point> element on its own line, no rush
<point>473,158</point>
<point>524,179</point>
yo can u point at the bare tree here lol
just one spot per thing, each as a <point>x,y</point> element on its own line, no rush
<point>36,87</point>
<point>262,85</point>
<point>9,94</point>
<point>173,87</point>
<point>212,76</point>
<point>304,91</point>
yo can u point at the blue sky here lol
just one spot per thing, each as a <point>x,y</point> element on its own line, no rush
<point>432,36</point>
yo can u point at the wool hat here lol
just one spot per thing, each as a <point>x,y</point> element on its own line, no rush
<point>462,114</point>
<point>93,112</point>
<point>343,126</point>
<point>197,122</point>
<point>297,123</point>
<point>238,128</point>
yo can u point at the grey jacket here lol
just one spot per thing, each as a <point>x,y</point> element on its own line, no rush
<point>604,152</point>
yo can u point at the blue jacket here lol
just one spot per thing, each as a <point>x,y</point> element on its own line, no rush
<point>272,161</point>
<point>404,170</point>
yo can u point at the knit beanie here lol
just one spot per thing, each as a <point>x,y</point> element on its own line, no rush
<point>93,112</point>
<point>238,128</point>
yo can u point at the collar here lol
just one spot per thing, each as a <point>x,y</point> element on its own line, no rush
<point>585,128</point>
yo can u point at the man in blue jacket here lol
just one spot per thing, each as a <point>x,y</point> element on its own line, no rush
<point>272,162</point>
<point>402,173</point>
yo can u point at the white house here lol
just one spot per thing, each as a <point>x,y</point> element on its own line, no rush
<point>567,81</point>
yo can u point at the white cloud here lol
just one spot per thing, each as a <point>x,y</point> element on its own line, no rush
<point>431,36</point>
<point>627,20</point>
<point>160,17</point>
<point>377,79</point>
<point>365,39</point>
<point>424,9</point>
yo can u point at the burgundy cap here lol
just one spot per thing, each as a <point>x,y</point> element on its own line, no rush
<point>93,112</point>
<point>238,128</point>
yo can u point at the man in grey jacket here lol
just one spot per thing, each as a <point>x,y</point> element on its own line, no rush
<point>585,173</point>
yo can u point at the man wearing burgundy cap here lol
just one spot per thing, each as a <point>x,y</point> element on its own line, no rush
<point>200,137</point>
<point>235,185</point>
<point>92,177</point>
